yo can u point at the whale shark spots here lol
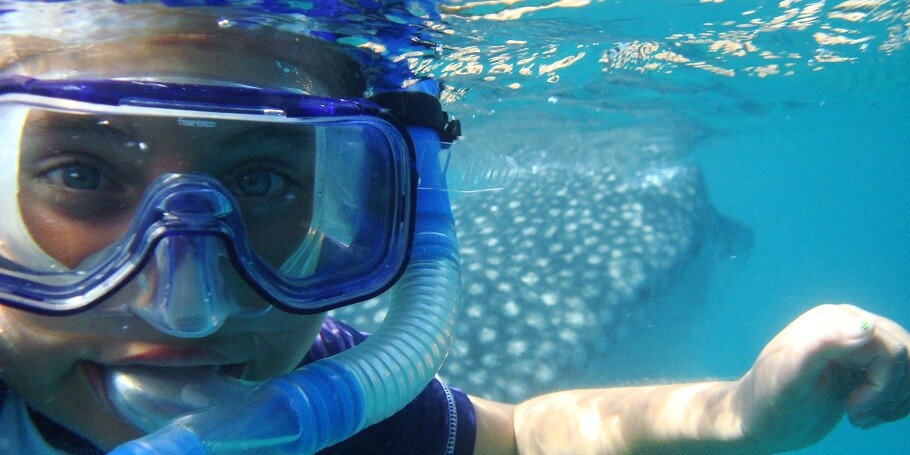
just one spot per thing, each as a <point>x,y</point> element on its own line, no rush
<point>558,268</point>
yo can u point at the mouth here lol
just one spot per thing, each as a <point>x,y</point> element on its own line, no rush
<point>150,396</point>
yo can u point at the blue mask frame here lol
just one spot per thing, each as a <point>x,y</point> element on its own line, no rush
<point>199,205</point>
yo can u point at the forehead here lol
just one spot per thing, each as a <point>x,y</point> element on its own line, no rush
<point>134,138</point>
<point>162,44</point>
<point>206,126</point>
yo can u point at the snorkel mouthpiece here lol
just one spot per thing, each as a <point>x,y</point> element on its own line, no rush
<point>330,400</point>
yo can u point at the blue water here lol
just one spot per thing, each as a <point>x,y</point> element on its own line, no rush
<point>814,157</point>
<point>825,190</point>
<point>804,141</point>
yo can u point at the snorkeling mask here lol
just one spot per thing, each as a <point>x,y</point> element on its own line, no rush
<point>311,200</point>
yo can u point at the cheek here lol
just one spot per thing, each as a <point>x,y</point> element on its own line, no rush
<point>280,351</point>
<point>277,241</point>
<point>277,231</point>
<point>67,241</point>
<point>50,375</point>
<point>44,360</point>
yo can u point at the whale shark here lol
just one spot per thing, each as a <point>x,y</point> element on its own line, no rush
<point>558,268</point>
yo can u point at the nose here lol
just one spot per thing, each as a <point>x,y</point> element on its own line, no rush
<point>190,298</point>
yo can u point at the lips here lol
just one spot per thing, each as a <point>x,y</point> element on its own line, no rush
<point>174,357</point>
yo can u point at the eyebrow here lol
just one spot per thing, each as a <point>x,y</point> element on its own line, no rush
<point>283,130</point>
<point>56,122</point>
<point>272,131</point>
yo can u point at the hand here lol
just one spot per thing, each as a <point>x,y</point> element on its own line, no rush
<point>834,359</point>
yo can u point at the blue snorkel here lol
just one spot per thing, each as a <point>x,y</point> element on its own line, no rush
<point>330,400</point>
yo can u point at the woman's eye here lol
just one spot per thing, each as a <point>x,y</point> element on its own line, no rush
<point>79,177</point>
<point>259,183</point>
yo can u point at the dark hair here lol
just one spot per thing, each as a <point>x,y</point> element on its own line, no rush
<point>184,33</point>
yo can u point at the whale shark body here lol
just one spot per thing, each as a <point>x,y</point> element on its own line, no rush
<point>558,268</point>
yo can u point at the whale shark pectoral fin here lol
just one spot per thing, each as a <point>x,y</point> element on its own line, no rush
<point>735,239</point>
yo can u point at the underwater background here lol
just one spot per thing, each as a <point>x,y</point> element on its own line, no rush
<point>794,112</point>
<point>663,184</point>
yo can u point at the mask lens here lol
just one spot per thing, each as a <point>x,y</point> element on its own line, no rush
<point>83,175</point>
<point>310,206</point>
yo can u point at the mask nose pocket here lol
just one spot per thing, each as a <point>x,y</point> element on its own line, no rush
<point>197,202</point>
<point>190,297</point>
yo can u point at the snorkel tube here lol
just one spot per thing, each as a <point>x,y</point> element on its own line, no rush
<point>332,399</point>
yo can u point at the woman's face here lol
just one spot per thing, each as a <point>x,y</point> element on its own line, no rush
<point>74,203</point>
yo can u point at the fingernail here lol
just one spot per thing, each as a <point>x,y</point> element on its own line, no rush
<point>857,328</point>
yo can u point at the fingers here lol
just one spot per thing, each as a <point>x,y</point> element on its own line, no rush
<point>824,334</point>
<point>883,393</point>
<point>792,367</point>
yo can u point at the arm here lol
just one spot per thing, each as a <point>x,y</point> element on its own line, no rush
<point>679,418</point>
<point>830,361</point>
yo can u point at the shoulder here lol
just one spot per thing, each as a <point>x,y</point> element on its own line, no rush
<point>440,420</point>
<point>334,337</point>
